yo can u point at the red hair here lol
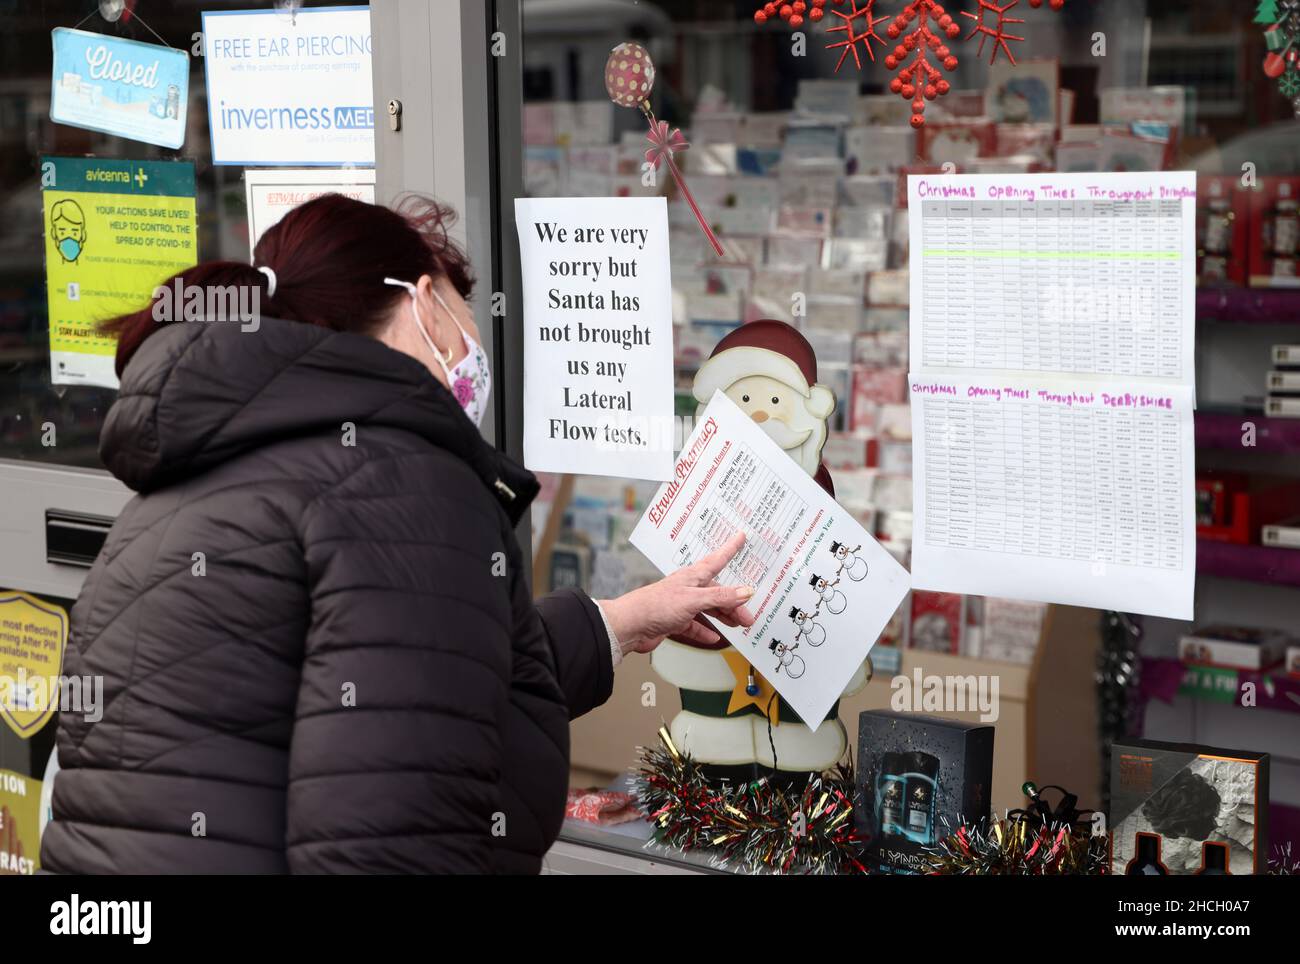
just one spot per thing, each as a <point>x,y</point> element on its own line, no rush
<point>330,257</point>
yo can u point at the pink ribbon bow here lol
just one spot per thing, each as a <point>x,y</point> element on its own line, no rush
<point>666,143</point>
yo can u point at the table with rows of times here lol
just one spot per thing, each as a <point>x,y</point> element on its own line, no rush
<point>750,497</point>
<point>1083,483</point>
<point>1054,286</point>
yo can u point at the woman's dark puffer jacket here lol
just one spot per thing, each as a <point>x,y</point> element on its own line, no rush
<point>352,677</point>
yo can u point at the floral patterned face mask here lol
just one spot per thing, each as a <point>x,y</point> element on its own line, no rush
<point>471,380</point>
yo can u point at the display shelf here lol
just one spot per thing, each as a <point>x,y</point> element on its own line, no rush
<point>1164,678</point>
<point>1221,429</point>
<point>1258,306</point>
<point>1227,560</point>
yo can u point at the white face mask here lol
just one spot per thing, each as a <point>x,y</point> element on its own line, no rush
<point>471,380</point>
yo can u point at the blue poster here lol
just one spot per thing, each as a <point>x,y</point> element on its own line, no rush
<point>134,90</point>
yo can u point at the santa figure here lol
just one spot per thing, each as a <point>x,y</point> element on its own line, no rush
<point>769,370</point>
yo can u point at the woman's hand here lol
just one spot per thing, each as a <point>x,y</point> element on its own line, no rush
<point>641,619</point>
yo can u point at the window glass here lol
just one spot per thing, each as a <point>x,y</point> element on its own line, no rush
<point>29,402</point>
<point>800,169</point>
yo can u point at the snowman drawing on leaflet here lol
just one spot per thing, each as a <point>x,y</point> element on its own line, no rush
<point>770,371</point>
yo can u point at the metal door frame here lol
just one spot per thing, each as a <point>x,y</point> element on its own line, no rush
<point>455,67</point>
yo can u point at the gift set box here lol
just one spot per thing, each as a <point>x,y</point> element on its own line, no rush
<point>919,778</point>
<point>1275,233</point>
<point>1233,647</point>
<point>1184,809</point>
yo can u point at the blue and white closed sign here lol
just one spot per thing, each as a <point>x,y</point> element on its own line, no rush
<point>123,87</point>
<point>288,90</point>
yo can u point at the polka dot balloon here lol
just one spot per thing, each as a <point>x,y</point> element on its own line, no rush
<point>629,74</point>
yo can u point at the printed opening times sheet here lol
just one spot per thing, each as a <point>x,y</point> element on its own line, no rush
<point>1052,345</point>
<point>1088,274</point>
<point>1032,490</point>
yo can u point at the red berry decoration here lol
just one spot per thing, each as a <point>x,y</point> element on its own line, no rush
<point>786,11</point>
<point>815,14</point>
<point>796,20</point>
<point>760,17</point>
<point>799,6</point>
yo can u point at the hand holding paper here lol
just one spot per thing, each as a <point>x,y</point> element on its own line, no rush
<point>642,618</point>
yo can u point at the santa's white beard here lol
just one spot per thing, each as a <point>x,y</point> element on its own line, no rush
<point>802,442</point>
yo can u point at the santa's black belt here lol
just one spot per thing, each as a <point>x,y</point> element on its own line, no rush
<point>715,704</point>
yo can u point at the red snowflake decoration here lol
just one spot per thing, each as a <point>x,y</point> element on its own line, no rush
<point>921,80</point>
<point>924,27</point>
<point>851,36</point>
<point>998,30</point>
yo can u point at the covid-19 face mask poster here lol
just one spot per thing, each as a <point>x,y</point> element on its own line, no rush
<point>289,89</point>
<point>114,230</point>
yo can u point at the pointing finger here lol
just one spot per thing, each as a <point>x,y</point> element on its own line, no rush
<point>716,561</point>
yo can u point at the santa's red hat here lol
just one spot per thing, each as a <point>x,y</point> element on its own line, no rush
<point>765,347</point>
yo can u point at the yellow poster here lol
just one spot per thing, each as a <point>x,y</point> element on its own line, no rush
<point>20,835</point>
<point>33,636</point>
<point>114,230</point>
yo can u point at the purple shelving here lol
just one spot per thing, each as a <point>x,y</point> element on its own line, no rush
<point>1222,430</point>
<point>1260,306</point>
<point>1228,560</point>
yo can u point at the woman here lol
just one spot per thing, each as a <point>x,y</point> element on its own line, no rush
<point>318,645</point>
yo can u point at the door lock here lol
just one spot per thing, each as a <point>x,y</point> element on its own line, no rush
<point>395,115</point>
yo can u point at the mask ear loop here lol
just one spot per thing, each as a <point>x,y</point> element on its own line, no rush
<point>415,311</point>
<point>454,320</point>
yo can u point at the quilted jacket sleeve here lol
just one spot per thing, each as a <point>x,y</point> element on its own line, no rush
<point>584,665</point>
<point>396,752</point>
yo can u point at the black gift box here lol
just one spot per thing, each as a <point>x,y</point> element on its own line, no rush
<point>919,778</point>
<point>1183,809</point>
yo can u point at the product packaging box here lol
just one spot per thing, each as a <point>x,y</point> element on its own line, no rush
<point>937,620</point>
<point>1275,233</point>
<point>1293,661</point>
<point>919,778</point>
<point>1222,230</point>
<point>1184,809</point>
<point>1233,647</point>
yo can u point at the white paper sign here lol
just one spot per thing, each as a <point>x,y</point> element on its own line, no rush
<point>598,344</point>
<point>823,588</point>
<point>289,90</point>
<point>1052,341</point>
<point>1056,491</point>
<point>271,194</point>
